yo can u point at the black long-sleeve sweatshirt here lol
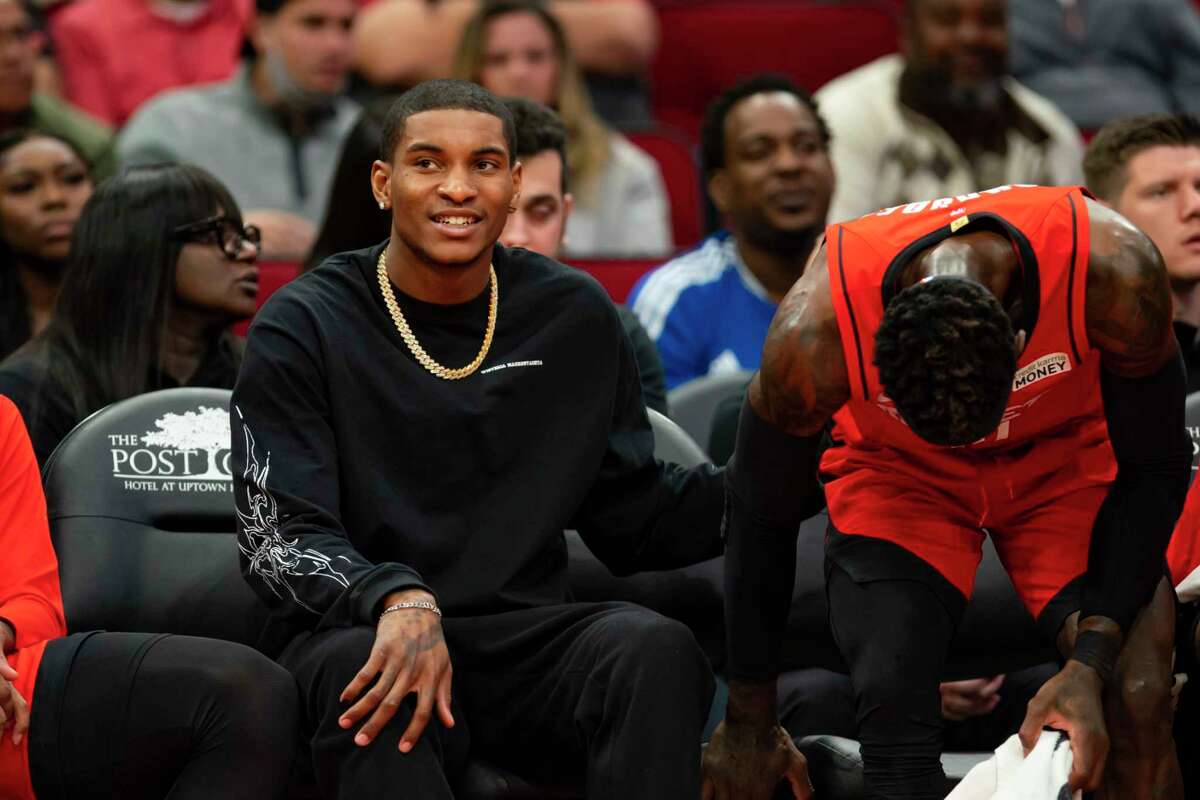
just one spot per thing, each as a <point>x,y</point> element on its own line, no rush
<point>358,473</point>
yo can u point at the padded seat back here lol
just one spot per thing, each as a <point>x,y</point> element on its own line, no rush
<point>672,443</point>
<point>693,403</point>
<point>681,174</point>
<point>707,47</point>
<point>691,594</point>
<point>617,276</point>
<point>140,500</point>
<point>1191,417</point>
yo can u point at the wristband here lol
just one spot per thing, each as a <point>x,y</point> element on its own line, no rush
<point>1098,651</point>
<point>424,605</point>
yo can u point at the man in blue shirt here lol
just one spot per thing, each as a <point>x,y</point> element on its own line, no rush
<point>765,153</point>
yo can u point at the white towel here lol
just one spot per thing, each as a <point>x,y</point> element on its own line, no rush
<point>1189,588</point>
<point>1009,775</point>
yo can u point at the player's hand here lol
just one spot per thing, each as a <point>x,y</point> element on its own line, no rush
<point>409,657</point>
<point>744,762</point>
<point>14,711</point>
<point>1070,701</point>
<point>973,698</point>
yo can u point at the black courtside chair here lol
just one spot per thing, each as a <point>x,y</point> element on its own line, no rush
<point>693,404</point>
<point>141,509</point>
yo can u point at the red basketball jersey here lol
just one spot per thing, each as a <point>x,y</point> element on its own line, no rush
<point>1055,413</point>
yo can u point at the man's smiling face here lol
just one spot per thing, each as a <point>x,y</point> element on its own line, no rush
<point>451,183</point>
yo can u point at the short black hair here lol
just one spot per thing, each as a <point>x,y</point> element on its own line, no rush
<point>712,130</point>
<point>946,359</point>
<point>539,129</point>
<point>444,94</point>
<point>1118,141</point>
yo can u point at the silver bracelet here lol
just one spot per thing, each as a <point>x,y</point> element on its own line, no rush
<point>424,605</point>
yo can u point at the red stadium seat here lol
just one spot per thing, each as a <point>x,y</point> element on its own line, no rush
<point>271,275</point>
<point>618,277</point>
<point>676,159</point>
<point>706,47</point>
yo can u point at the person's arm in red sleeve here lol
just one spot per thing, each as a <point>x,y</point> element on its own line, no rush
<point>30,598</point>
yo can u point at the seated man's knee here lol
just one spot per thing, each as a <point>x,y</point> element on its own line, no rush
<point>233,673</point>
<point>271,691</point>
<point>654,642</point>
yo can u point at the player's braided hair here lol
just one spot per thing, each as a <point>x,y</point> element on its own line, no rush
<point>945,356</point>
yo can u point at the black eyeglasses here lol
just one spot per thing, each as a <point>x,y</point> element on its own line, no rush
<point>227,232</point>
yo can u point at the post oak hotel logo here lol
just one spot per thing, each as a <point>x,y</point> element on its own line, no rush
<point>186,452</point>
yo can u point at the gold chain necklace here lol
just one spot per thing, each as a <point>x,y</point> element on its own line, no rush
<point>410,339</point>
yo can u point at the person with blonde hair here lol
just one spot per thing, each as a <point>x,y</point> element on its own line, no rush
<point>517,48</point>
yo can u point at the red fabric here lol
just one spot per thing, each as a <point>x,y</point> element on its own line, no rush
<point>1183,553</point>
<point>271,276</point>
<point>619,276</point>
<point>707,47</point>
<point>29,591</point>
<point>674,154</point>
<point>116,54</point>
<point>1041,475</point>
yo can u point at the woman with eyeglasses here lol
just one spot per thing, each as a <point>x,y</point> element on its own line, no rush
<point>44,182</point>
<point>160,266</point>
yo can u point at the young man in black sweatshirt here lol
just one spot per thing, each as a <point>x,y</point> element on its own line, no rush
<point>382,484</point>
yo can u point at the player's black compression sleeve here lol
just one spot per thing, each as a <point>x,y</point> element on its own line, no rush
<point>770,483</point>
<point>1134,524</point>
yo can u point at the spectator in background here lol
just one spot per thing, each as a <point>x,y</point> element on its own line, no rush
<point>766,161</point>
<point>517,49</point>
<point>400,43</point>
<point>944,118</point>
<point>270,133</point>
<point>353,220</point>
<point>542,213</point>
<point>21,107</point>
<point>44,182</point>
<point>113,55</point>
<point>1098,60</point>
<point>160,266</point>
<point>1148,170</point>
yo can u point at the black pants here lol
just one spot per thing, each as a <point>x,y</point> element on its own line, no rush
<point>820,701</point>
<point>134,715</point>
<point>607,691</point>
<point>895,634</point>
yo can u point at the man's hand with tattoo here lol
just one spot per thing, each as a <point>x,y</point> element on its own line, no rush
<point>409,657</point>
<point>14,711</point>
<point>750,753</point>
<point>1070,701</point>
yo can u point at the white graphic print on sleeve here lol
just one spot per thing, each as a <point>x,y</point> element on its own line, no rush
<point>273,557</point>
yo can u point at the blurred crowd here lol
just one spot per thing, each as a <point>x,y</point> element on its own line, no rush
<point>153,152</point>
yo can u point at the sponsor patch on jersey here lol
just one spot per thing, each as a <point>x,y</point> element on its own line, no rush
<point>1045,367</point>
